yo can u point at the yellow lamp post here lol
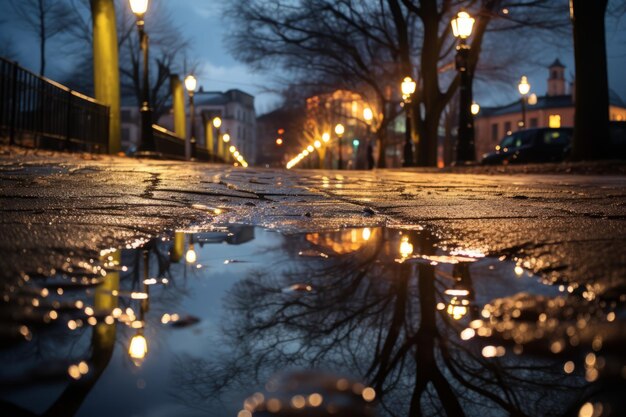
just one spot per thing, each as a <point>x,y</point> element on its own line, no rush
<point>139,8</point>
<point>339,131</point>
<point>462,26</point>
<point>190,84</point>
<point>524,88</point>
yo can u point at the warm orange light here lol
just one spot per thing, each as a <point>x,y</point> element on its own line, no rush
<point>281,131</point>
<point>138,349</point>
<point>226,138</point>
<point>554,120</point>
<point>279,141</point>
<point>310,148</point>
<point>523,86</point>
<point>232,149</point>
<point>191,83</point>
<point>475,108</point>
<point>368,115</point>
<point>462,25</point>
<point>139,7</point>
<point>339,129</point>
<point>217,122</point>
<point>326,137</point>
<point>408,86</point>
<point>317,144</point>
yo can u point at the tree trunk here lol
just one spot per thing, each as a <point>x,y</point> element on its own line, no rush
<point>591,120</point>
<point>382,146</point>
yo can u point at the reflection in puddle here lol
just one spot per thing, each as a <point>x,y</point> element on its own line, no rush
<point>245,321</point>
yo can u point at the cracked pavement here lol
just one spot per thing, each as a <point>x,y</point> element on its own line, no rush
<point>60,209</point>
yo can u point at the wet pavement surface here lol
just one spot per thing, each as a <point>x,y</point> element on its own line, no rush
<point>151,288</point>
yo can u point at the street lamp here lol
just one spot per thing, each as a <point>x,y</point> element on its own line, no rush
<point>226,138</point>
<point>408,88</point>
<point>339,131</point>
<point>138,348</point>
<point>139,8</point>
<point>524,89</point>
<point>217,123</point>
<point>475,108</point>
<point>191,84</point>
<point>462,26</point>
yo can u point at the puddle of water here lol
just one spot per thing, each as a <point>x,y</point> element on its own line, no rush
<point>241,320</point>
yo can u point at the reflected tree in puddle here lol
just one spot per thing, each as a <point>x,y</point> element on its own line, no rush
<point>374,313</point>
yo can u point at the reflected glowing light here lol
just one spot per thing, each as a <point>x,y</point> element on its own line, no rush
<point>226,138</point>
<point>217,122</point>
<point>325,137</point>
<point>298,401</point>
<point>406,248</point>
<point>339,129</point>
<point>369,394</point>
<point>191,255</point>
<point>366,234</point>
<point>523,86</point>
<point>586,410</point>
<point>317,144</point>
<point>138,349</point>
<point>457,308</point>
<point>315,399</point>
<point>310,148</point>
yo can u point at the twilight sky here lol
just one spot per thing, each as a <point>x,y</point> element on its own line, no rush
<point>202,22</point>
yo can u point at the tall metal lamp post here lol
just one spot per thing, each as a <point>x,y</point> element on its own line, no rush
<point>339,131</point>
<point>190,85</point>
<point>139,8</point>
<point>524,89</point>
<point>408,88</point>
<point>462,26</point>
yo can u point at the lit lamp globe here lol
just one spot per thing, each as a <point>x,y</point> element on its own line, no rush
<point>523,86</point>
<point>475,108</point>
<point>232,149</point>
<point>138,349</point>
<point>139,7</point>
<point>368,115</point>
<point>407,87</point>
<point>191,83</point>
<point>462,25</point>
<point>317,144</point>
<point>191,255</point>
<point>532,99</point>
<point>226,138</point>
<point>309,148</point>
<point>339,129</point>
<point>325,137</point>
<point>217,122</point>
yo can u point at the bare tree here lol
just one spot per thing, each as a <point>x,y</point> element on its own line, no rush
<point>45,18</point>
<point>168,48</point>
<point>368,47</point>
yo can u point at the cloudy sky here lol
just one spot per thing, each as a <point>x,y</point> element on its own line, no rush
<point>202,22</point>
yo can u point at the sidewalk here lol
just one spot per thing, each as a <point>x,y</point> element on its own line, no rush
<point>566,227</point>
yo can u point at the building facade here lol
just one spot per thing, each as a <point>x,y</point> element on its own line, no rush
<point>555,109</point>
<point>236,110</point>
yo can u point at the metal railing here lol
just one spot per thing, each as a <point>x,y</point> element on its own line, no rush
<point>171,146</point>
<point>38,112</point>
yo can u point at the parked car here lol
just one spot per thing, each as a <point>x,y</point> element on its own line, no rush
<point>532,145</point>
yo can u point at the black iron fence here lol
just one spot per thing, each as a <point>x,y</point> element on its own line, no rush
<point>38,112</point>
<point>171,146</point>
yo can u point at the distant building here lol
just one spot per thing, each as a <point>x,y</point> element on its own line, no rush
<point>278,134</point>
<point>235,108</point>
<point>555,109</point>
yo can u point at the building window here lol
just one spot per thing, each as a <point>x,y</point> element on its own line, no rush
<point>507,128</point>
<point>495,135</point>
<point>534,122</point>
<point>554,120</point>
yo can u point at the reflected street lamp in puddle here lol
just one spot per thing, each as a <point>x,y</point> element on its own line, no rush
<point>138,348</point>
